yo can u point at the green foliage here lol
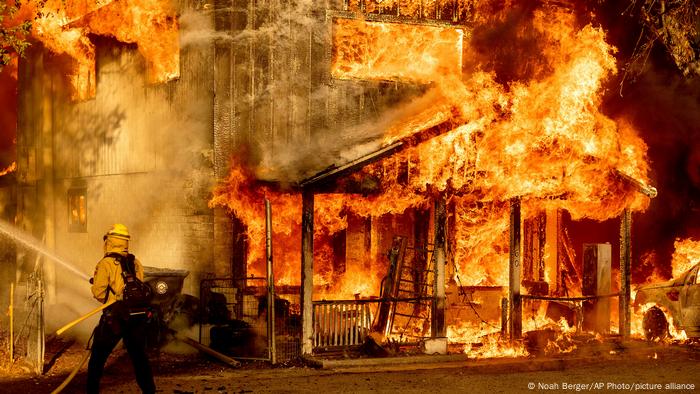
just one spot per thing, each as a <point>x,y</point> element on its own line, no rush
<point>13,38</point>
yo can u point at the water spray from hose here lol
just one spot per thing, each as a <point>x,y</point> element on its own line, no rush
<point>29,241</point>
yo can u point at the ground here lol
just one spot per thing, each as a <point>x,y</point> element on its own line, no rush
<point>629,368</point>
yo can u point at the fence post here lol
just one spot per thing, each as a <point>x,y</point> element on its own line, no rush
<point>40,345</point>
<point>12,322</point>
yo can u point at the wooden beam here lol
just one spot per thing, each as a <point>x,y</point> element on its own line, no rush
<point>625,266</point>
<point>514,303</point>
<point>333,173</point>
<point>307,271</point>
<point>324,181</point>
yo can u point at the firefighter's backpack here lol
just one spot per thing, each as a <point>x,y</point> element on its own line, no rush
<point>136,295</point>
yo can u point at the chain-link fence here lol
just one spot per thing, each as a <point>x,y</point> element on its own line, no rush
<point>236,319</point>
<point>25,321</point>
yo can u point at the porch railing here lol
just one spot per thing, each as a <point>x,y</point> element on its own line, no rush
<point>342,323</point>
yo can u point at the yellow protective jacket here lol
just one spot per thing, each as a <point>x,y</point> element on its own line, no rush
<point>108,272</point>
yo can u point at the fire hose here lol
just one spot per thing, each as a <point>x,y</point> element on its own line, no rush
<point>205,349</point>
<point>73,372</point>
<point>89,350</point>
<point>85,316</point>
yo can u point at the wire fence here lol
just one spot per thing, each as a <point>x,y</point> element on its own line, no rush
<point>235,320</point>
<point>25,324</point>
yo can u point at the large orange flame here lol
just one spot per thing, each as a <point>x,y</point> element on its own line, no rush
<point>63,27</point>
<point>389,51</point>
<point>543,140</point>
<point>685,255</point>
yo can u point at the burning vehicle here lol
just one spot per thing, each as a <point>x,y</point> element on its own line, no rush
<point>676,300</point>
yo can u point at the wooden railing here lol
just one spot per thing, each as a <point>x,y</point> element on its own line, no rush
<point>342,323</point>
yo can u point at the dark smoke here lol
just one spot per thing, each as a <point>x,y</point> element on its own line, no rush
<point>664,107</point>
<point>508,44</point>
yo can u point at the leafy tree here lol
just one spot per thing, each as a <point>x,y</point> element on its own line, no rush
<point>673,23</point>
<point>14,34</point>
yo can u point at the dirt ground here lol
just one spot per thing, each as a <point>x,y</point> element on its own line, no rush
<point>647,368</point>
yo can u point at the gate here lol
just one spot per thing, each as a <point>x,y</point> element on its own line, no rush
<point>236,320</point>
<point>28,323</point>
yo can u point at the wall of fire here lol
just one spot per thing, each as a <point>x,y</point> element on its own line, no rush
<point>275,95</point>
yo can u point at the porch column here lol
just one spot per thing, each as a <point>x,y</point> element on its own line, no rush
<point>307,271</point>
<point>438,314</point>
<point>515,323</point>
<point>625,265</point>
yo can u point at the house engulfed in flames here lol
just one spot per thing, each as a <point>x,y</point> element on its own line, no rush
<point>375,128</point>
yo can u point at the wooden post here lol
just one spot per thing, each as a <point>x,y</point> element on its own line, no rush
<point>272,351</point>
<point>504,317</point>
<point>625,266</point>
<point>438,313</point>
<point>307,271</point>
<point>515,322</point>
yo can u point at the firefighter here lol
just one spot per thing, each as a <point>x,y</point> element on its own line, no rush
<point>117,322</point>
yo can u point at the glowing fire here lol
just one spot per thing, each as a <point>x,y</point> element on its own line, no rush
<point>369,50</point>
<point>543,141</point>
<point>484,340</point>
<point>11,168</point>
<point>685,255</point>
<point>413,8</point>
<point>637,323</point>
<point>245,200</point>
<point>63,27</point>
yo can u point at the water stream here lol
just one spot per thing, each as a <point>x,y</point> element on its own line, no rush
<point>29,241</point>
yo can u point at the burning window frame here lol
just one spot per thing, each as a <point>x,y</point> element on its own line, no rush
<point>77,210</point>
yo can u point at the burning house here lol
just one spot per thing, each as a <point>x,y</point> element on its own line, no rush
<point>424,180</point>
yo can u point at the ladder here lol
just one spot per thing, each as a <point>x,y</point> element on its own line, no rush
<point>406,290</point>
